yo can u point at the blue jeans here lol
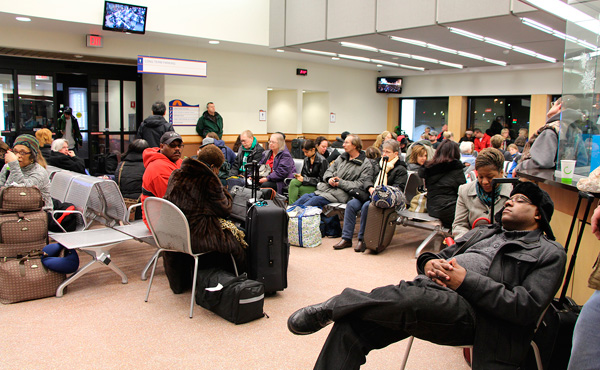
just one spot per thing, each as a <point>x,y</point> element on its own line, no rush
<point>311,199</point>
<point>352,208</point>
<point>585,354</point>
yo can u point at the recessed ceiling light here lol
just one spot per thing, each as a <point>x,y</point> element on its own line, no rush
<point>335,58</point>
<point>23,19</point>
<point>280,50</point>
<point>214,42</point>
<point>269,89</point>
<point>78,56</point>
<point>318,52</point>
<point>379,65</point>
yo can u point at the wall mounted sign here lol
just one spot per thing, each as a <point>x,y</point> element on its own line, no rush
<point>183,114</point>
<point>171,66</point>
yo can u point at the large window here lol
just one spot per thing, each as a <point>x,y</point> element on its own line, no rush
<point>512,111</point>
<point>7,108</point>
<point>36,101</point>
<point>417,114</point>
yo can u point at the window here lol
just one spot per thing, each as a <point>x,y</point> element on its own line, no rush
<point>36,102</point>
<point>417,114</point>
<point>512,111</point>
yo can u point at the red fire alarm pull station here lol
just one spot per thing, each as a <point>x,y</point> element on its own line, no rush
<point>132,104</point>
<point>301,72</point>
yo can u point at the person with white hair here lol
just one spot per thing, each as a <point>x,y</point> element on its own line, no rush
<point>280,162</point>
<point>62,157</point>
<point>466,155</point>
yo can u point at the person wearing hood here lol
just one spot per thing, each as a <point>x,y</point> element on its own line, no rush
<point>280,161</point>
<point>62,157</point>
<point>227,152</point>
<point>160,163</point>
<point>210,121</point>
<point>541,151</point>
<point>153,127</point>
<point>443,174</point>
<point>131,170</point>
<point>249,151</point>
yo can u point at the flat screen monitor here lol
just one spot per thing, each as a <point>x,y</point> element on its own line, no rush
<point>389,85</point>
<point>124,17</point>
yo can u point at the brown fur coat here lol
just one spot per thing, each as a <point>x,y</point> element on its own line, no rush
<point>198,192</point>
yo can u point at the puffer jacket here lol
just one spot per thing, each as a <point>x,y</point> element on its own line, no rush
<point>354,173</point>
<point>156,176</point>
<point>129,175</point>
<point>152,128</point>
<point>442,181</point>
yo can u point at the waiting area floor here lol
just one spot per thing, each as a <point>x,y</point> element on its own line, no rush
<point>103,324</point>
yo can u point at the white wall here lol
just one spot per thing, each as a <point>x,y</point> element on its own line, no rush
<point>209,19</point>
<point>282,111</point>
<point>315,112</point>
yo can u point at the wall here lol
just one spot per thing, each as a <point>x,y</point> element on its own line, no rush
<point>282,111</point>
<point>315,111</point>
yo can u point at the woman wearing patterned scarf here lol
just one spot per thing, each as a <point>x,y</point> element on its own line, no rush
<point>475,198</point>
<point>26,166</point>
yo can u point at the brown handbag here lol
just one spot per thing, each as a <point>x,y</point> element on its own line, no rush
<point>21,232</point>
<point>25,278</point>
<point>20,198</point>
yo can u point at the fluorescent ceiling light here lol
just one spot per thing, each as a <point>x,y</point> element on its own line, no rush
<point>214,42</point>
<point>384,62</point>
<point>502,44</point>
<point>453,65</point>
<point>358,46</point>
<point>326,53</point>
<point>23,19</point>
<point>469,55</point>
<point>521,50</point>
<point>280,50</point>
<point>403,55</point>
<point>335,58</point>
<point>441,48</point>
<point>411,67</point>
<point>464,33</point>
<point>409,41</point>
<point>494,61</point>
<point>555,33</point>
<point>354,57</point>
<point>425,59</point>
<point>537,25</point>
<point>567,12</point>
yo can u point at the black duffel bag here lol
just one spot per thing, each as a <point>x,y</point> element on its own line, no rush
<point>235,298</point>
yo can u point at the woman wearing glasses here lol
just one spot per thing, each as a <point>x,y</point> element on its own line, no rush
<point>26,166</point>
<point>475,198</point>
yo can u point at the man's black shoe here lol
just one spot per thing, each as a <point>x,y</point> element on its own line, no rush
<point>311,319</point>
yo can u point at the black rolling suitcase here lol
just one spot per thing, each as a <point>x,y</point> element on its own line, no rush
<point>268,247</point>
<point>554,337</point>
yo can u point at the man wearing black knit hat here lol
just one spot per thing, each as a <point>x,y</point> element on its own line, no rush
<point>488,290</point>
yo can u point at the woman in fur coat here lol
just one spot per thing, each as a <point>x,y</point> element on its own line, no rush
<point>196,189</point>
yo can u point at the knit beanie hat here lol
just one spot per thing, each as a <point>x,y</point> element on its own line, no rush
<point>30,142</point>
<point>541,200</point>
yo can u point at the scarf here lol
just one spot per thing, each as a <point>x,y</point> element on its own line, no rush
<point>384,172</point>
<point>486,198</point>
<point>237,233</point>
<point>245,154</point>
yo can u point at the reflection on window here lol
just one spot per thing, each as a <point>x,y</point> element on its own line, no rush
<point>492,113</point>
<point>417,114</point>
<point>7,107</point>
<point>36,102</point>
<point>78,102</point>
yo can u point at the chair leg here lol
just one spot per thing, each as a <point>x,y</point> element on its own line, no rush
<point>538,357</point>
<point>235,269</point>
<point>194,286</point>
<point>407,352</point>
<point>147,267</point>
<point>152,274</point>
<point>425,242</point>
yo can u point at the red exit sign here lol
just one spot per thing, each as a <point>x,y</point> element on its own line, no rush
<point>301,72</point>
<point>93,41</point>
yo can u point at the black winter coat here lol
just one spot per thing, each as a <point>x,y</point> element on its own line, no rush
<point>46,151</point>
<point>397,176</point>
<point>129,175</point>
<point>255,155</point>
<point>66,162</point>
<point>313,174</point>
<point>442,181</point>
<point>152,128</point>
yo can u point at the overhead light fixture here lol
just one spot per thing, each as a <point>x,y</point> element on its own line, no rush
<point>542,27</point>
<point>425,59</point>
<point>464,33</point>
<point>78,56</point>
<point>23,19</point>
<point>568,13</point>
<point>214,42</point>
<point>445,50</point>
<point>269,89</point>
<point>335,58</point>
<point>409,41</point>
<point>403,55</point>
<point>499,43</point>
<point>318,52</point>
<point>354,57</point>
<point>358,46</point>
<point>280,51</point>
<point>411,67</point>
<point>379,65</point>
<point>384,62</point>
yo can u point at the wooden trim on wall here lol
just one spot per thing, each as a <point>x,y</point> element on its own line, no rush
<point>457,116</point>
<point>393,114</point>
<point>537,112</point>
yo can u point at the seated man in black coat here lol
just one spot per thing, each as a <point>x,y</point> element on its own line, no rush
<point>488,290</point>
<point>64,158</point>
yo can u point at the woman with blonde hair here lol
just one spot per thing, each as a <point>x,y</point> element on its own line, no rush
<point>386,135</point>
<point>44,136</point>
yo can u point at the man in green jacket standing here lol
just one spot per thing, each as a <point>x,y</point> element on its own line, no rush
<point>67,127</point>
<point>210,121</point>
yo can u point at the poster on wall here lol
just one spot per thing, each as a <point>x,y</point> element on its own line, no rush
<point>171,66</point>
<point>182,114</point>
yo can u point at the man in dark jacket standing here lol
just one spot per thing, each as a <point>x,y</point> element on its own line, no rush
<point>153,127</point>
<point>488,290</point>
<point>210,121</point>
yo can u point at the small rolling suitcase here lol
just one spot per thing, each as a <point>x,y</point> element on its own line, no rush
<point>381,225</point>
<point>268,247</point>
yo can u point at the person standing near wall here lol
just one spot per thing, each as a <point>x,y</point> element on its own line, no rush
<point>154,127</point>
<point>210,121</point>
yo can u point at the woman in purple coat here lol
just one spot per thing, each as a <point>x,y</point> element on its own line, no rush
<point>280,162</point>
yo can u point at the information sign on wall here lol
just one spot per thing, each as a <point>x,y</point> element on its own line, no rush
<point>171,66</point>
<point>183,114</point>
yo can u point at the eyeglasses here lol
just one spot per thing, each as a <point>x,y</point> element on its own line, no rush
<point>21,152</point>
<point>519,198</point>
<point>175,145</point>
